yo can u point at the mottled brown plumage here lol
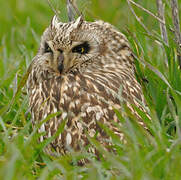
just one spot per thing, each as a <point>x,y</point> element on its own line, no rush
<point>78,70</point>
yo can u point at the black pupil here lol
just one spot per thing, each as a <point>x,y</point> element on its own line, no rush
<point>47,48</point>
<point>82,48</point>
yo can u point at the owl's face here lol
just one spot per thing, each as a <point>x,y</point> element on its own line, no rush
<point>65,46</point>
<point>68,46</point>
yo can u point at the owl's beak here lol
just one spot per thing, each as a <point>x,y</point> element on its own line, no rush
<point>64,62</point>
<point>60,63</point>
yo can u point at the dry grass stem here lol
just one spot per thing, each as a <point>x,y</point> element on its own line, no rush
<point>137,18</point>
<point>147,11</point>
<point>72,10</point>
<point>161,15</point>
<point>52,8</point>
<point>176,22</point>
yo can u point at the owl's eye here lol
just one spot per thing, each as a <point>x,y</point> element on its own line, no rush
<point>82,48</point>
<point>47,48</point>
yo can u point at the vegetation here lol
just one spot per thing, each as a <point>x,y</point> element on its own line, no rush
<point>144,156</point>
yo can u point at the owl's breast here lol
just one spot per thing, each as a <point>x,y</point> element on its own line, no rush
<point>83,91</point>
<point>85,100</point>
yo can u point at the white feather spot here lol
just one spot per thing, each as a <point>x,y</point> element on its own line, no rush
<point>49,134</point>
<point>42,128</point>
<point>128,83</point>
<point>85,106</point>
<point>65,97</point>
<point>83,114</point>
<point>98,116</point>
<point>65,88</point>
<point>74,88</point>
<point>92,132</point>
<point>51,124</point>
<point>69,85</point>
<point>62,101</point>
<point>77,102</point>
<point>45,115</point>
<point>105,111</point>
<point>72,105</point>
<point>55,109</point>
<point>89,109</point>
<point>41,138</point>
<point>79,125</point>
<point>68,139</point>
<point>59,137</point>
<point>33,91</point>
<point>64,115</point>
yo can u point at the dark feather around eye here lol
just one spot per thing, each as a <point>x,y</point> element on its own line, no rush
<point>47,48</point>
<point>82,48</point>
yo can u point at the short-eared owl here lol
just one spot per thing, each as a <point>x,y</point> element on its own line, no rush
<point>78,70</point>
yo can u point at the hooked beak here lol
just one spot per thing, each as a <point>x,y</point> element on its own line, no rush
<point>60,63</point>
<point>63,63</point>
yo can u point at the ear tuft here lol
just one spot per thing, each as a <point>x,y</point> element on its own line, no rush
<point>78,22</point>
<point>54,22</point>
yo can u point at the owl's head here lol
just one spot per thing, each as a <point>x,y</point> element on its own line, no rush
<point>67,46</point>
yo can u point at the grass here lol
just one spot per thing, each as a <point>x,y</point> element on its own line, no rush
<point>144,156</point>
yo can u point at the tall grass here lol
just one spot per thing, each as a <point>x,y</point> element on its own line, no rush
<point>144,156</point>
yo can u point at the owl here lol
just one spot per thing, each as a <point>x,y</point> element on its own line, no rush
<point>78,71</point>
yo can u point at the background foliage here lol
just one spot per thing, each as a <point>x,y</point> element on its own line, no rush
<point>145,156</point>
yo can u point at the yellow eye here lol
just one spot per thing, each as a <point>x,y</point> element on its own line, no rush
<point>82,48</point>
<point>47,48</point>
